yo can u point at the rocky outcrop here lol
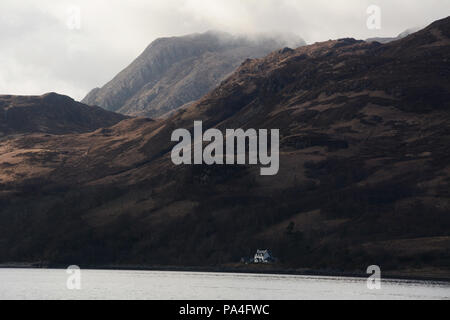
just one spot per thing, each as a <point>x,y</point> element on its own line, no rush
<point>174,72</point>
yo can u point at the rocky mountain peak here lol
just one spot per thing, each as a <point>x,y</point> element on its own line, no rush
<point>174,72</point>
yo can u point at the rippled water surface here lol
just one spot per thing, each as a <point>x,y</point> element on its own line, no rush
<point>110,284</point>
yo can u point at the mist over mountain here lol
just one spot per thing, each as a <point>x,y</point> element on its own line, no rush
<point>364,170</point>
<point>173,72</point>
<point>390,39</point>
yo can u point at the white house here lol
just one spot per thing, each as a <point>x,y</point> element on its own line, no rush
<point>263,256</point>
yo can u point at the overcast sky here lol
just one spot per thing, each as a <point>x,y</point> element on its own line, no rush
<point>45,46</point>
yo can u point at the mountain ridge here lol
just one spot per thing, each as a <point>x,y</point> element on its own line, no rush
<point>51,113</point>
<point>364,171</point>
<point>401,35</point>
<point>175,71</point>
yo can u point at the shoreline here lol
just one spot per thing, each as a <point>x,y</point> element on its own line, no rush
<point>248,269</point>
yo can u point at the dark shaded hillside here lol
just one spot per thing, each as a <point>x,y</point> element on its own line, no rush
<point>364,171</point>
<point>174,72</point>
<point>51,113</point>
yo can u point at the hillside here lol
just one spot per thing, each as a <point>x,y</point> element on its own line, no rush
<point>364,171</point>
<point>174,72</point>
<point>51,113</point>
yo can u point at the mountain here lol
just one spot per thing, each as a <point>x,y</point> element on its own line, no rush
<point>364,171</point>
<point>51,113</point>
<point>174,72</point>
<point>390,39</point>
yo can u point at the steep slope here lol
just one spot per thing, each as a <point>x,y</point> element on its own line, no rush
<point>364,171</point>
<point>173,72</point>
<point>51,113</point>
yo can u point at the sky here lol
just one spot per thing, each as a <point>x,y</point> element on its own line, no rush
<point>70,47</point>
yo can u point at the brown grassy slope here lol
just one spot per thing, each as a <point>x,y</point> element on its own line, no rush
<point>364,174</point>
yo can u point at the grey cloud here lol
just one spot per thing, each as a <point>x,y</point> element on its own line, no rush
<point>39,53</point>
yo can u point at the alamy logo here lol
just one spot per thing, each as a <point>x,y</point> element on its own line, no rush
<point>374,19</point>
<point>74,278</point>
<point>73,21</point>
<point>234,151</point>
<point>374,281</point>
